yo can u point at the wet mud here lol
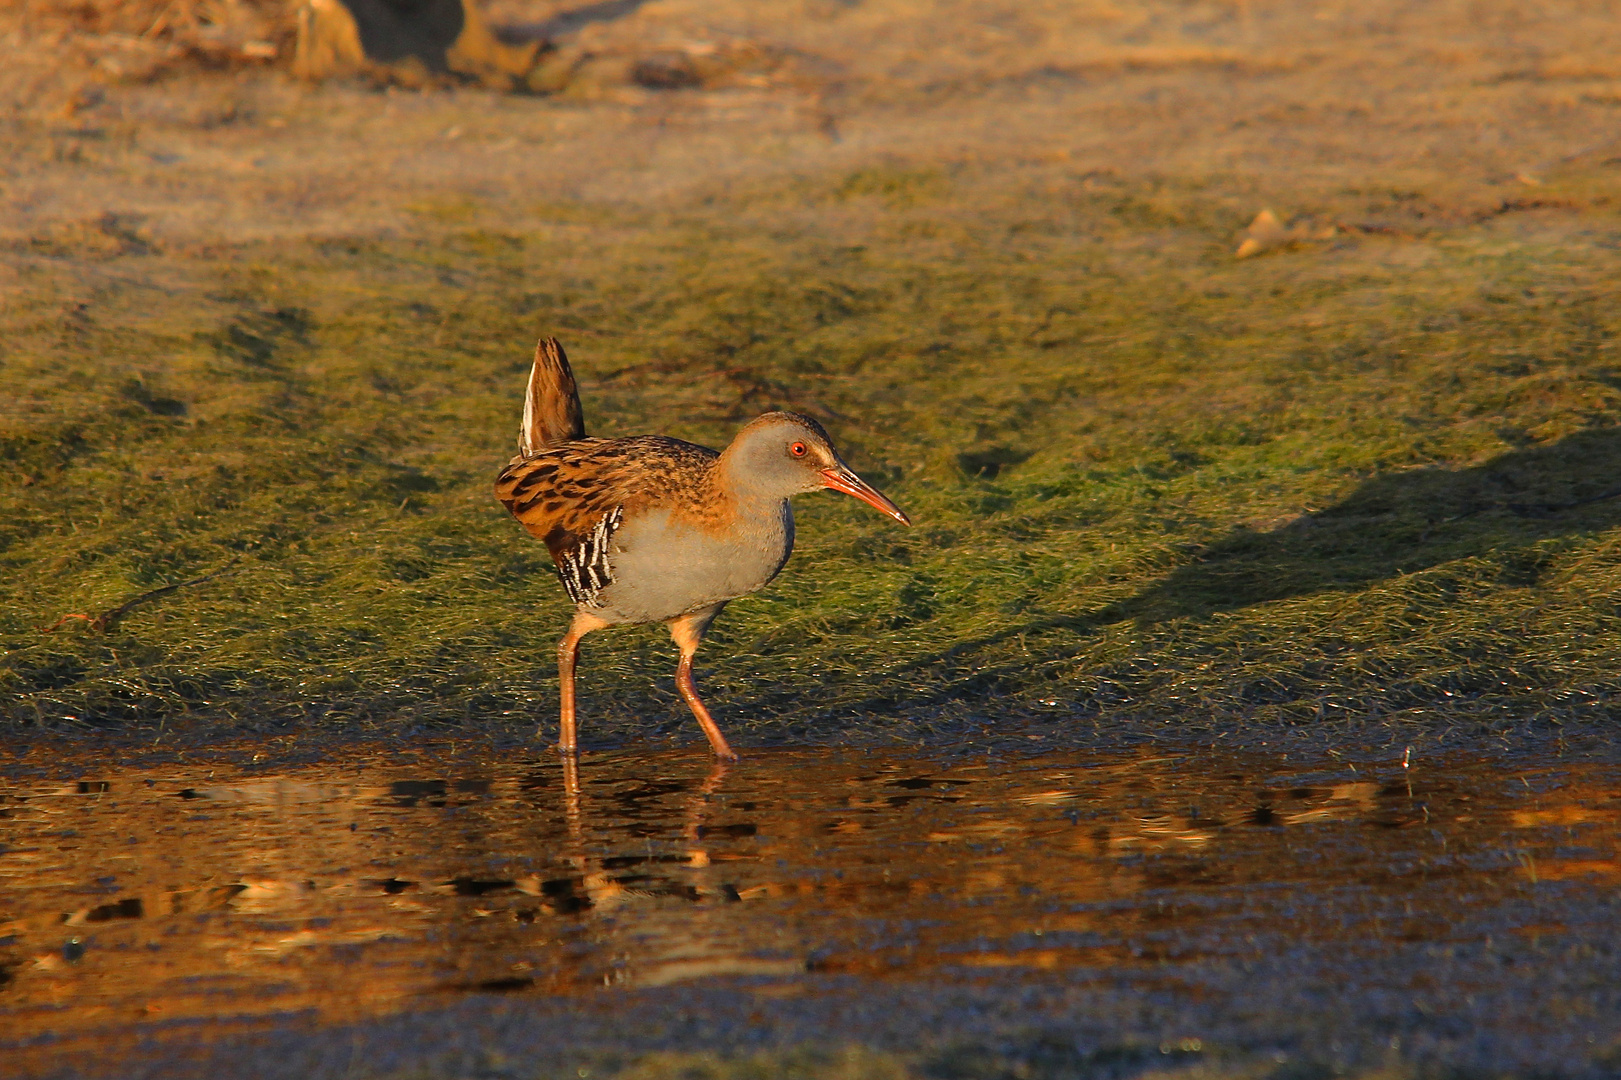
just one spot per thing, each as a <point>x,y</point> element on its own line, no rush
<point>1206,906</point>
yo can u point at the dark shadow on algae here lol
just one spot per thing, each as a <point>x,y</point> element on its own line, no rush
<point>1405,522</point>
<point>1394,524</point>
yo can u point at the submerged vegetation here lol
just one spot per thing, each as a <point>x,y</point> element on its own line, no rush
<point>1373,474</point>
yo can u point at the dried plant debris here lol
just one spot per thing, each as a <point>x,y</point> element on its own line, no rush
<point>444,41</point>
<point>141,39</point>
<point>1268,233</point>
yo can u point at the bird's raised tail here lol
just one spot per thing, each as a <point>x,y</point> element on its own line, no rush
<point>551,406</point>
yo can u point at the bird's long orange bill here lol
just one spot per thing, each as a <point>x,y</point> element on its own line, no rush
<point>842,479</point>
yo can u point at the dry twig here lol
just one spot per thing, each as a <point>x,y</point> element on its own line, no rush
<point>103,622</point>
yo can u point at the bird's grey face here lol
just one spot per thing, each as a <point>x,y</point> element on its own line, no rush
<point>788,454</point>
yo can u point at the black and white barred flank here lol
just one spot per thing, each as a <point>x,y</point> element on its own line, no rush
<point>584,570</point>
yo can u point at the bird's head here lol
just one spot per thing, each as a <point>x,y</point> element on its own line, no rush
<point>782,454</point>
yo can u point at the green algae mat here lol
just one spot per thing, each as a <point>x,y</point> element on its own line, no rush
<point>1370,472</point>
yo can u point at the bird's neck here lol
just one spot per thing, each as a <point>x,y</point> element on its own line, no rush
<point>749,498</point>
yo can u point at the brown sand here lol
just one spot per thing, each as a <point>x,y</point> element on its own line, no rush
<point>1388,113</point>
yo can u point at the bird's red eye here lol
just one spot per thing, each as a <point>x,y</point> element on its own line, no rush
<point>798,449</point>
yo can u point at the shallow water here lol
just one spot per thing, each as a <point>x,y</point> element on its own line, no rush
<point>166,901</point>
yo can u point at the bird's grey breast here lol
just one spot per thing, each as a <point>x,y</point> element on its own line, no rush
<point>662,565</point>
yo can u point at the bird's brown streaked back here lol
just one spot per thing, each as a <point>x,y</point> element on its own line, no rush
<point>551,409</point>
<point>559,495</point>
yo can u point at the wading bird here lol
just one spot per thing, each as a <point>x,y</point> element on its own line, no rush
<point>652,529</point>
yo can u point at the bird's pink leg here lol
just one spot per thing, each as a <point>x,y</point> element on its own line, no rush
<point>688,631</point>
<point>568,653</point>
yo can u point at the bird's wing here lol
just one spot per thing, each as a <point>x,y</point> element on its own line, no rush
<point>551,404</point>
<point>574,497</point>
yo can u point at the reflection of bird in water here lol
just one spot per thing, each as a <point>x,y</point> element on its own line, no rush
<point>653,529</point>
<point>692,826</point>
<point>669,942</point>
